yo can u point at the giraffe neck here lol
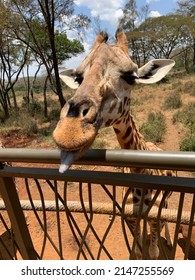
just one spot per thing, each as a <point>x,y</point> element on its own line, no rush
<point>128,134</point>
<point>130,138</point>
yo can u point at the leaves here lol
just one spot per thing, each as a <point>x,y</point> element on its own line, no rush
<point>34,30</point>
<point>163,36</point>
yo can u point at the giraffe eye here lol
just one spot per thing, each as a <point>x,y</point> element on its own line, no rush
<point>129,77</point>
<point>79,79</point>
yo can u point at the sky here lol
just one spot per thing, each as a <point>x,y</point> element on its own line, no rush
<point>109,12</point>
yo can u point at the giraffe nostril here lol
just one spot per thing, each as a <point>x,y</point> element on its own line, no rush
<point>85,112</point>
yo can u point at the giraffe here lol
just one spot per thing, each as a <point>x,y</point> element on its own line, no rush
<point>103,83</point>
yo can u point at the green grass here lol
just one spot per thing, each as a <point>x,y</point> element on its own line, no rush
<point>172,101</point>
<point>186,116</point>
<point>155,127</point>
<point>188,143</point>
<point>30,120</point>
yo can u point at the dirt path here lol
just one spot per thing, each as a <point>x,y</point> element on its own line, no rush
<point>172,138</point>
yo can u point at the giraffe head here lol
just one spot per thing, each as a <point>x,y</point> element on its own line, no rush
<point>103,83</point>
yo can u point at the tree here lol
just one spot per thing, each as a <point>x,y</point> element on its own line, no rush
<point>38,41</point>
<point>128,23</point>
<point>164,36</point>
<point>41,19</point>
<point>186,7</point>
<point>187,10</point>
<point>13,57</point>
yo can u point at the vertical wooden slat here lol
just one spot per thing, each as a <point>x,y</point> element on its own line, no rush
<point>9,194</point>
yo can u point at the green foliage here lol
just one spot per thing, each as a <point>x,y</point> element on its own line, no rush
<point>188,143</point>
<point>141,99</point>
<point>189,88</point>
<point>54,114</point>
<point>160,37</point>
<point>155,127</point>
<point>99,144</point>
<point>173,101</point>
<point>22,122</point>
<point>66,48</point>
<point>35,108</point>
<point>165,80</point>
<point>28,127</point>
<point>186,87</point>
<point>186,116</point>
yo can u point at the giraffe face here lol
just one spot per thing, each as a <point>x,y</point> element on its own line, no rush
<point>105,78</point>
<point>103,81</point>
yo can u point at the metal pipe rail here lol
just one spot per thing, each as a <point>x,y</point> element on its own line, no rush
<point>183,161</point>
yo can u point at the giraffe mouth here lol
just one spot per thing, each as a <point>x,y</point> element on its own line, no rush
<point>69,156</point>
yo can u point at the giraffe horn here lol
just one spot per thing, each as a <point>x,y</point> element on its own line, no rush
<point>101,38</point>
<point>122,40</point>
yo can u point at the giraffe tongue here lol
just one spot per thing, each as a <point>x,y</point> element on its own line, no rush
<point>67,159</point>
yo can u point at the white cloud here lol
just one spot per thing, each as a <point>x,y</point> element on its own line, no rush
<point>109,10</point>
<point>75,61</point>
<point>154,14</point>
<point>149,1</point>
<point>88,41</point>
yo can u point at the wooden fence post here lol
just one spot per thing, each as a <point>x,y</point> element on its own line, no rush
<point>9,194</point>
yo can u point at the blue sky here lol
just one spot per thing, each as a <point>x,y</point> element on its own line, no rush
<point>109,12</point>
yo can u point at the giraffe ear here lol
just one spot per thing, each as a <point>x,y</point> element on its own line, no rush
<point>68,76</point>
<point>154,70</point>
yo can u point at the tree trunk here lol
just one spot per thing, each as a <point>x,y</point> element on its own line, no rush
<point>49,14</point>
<point>4,104</point>
<point>33,82</point>
<point>14,98</point>
<point>194,54</point>
<point>45,97</point>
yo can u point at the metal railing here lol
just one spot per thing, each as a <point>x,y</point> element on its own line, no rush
<point>80,214</point>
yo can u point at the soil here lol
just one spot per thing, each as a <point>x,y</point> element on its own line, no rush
<point>114,241</point>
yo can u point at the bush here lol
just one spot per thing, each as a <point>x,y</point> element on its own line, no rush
<point>35,108</point>
<point>188,143</point>
<point>189,88</point>
<point>99,144</point>
<point>172,101</point>
<point>186,116</point>
<point>29,128</point>
<point>155,127</point>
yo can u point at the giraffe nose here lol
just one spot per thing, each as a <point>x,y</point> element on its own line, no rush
<point>73,111</point>
<point>77,127</point>
<point>84,110</point>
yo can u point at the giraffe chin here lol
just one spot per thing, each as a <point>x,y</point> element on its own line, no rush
<point>67,158</point>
